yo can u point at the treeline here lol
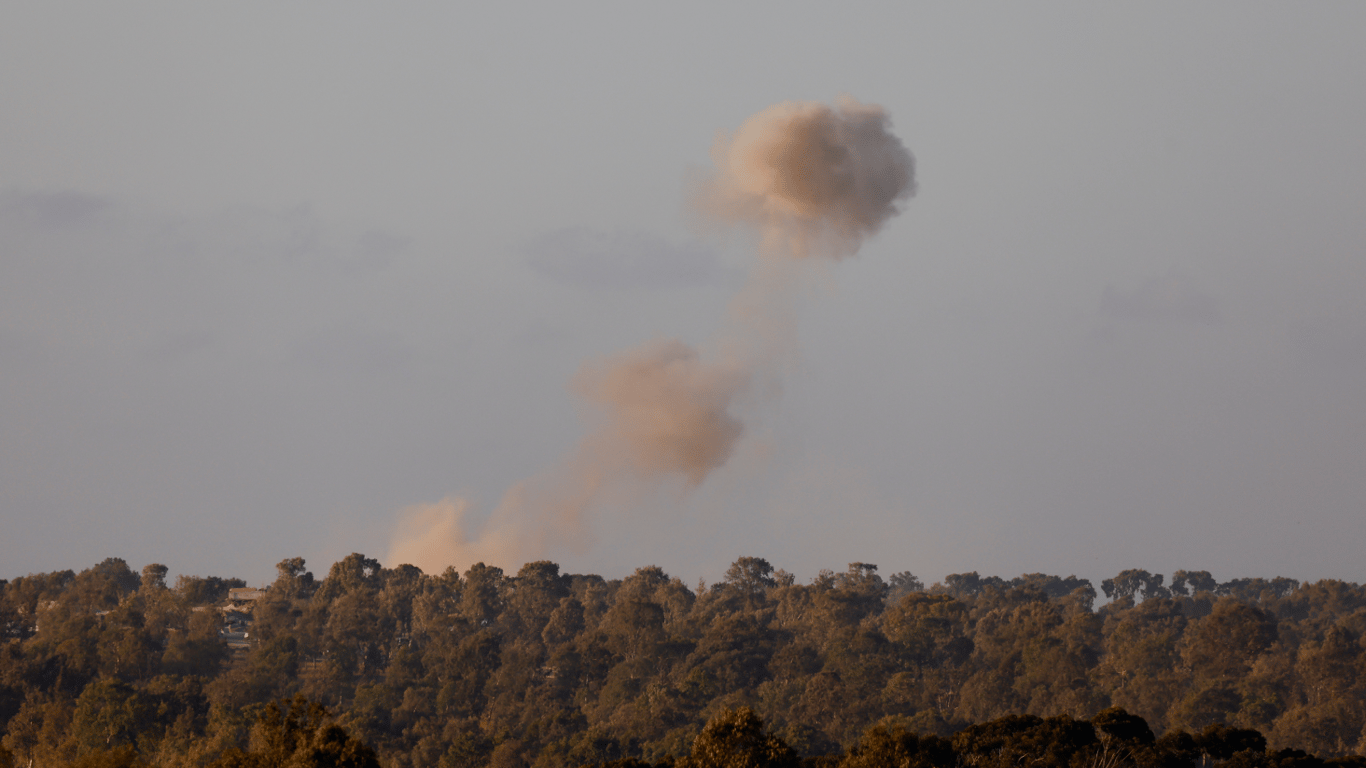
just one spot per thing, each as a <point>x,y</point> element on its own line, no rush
<point>736,738</point>
<point>548,669</point>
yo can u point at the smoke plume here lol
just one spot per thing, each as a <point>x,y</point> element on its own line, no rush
<point>815,181</point>
<point>664,410</point>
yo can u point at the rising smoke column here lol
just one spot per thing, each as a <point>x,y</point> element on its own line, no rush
<point>815,181</point>
<point>658,411</point>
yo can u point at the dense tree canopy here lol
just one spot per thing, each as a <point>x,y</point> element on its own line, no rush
<point>115,667</point>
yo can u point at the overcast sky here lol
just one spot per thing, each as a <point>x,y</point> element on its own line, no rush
<point>271,274</point>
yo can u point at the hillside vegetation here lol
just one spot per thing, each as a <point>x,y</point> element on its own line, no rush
<point>541,668</point>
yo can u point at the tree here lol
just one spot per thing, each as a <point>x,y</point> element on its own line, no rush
<point>1208,704</point>
<point>197,650</point>
<point>353,573</point>
<point>737,738</point>
<point>930,630</point>
<point>1329,669</point>
<point>1258,590</point>
<point>634,629</point>
<point>565,622</point>
<point>292,580</point>
<point>1053,586</point>
<point>901,584</point>
<point>1330,729</point>
<point>153,577</point>
<point>299,734</point>
<point>481,595</point>
<point>1123,727</point>
<point>861,580</point>
<point>401,586</point>
<point>732,655</point>
<point>118,757</point>
<point>1128,585</point>
<point>1026,740</point>
<point>117,571</point>
<point>968,584</point>
<point>1224,644</point>
<point>535,593</point>
<point>109,713</point>
<point>1221,742</point>
<point>891,746</point>
<point>751,578</point>
<point>1198,581</point>
<point>101,587</point>
<point>195,590</point>
<point>1030,657</point>
<point>465,672</point>
<point>1141,666</point>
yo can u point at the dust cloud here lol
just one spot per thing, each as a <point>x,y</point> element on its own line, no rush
<point>815,181</point>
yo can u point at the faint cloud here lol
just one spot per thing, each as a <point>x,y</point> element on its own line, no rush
<point>354,352</point>
<point>51,210</point>
<point>1160,300</point>
<point>589,259</point>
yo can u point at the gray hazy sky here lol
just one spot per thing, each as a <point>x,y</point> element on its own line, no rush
<point>272,273</point>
